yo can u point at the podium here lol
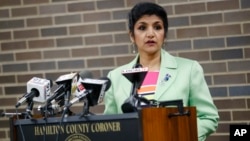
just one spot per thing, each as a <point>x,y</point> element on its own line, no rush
<point>148,124</point>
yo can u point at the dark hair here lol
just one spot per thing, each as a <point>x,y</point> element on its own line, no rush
<point>147,8</point>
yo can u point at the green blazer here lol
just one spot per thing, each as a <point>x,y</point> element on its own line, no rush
<point>186,82</point>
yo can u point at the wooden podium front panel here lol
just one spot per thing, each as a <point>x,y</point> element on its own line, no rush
<point>158,126</point>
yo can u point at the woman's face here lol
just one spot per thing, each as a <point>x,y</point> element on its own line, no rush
<point>148,34</point>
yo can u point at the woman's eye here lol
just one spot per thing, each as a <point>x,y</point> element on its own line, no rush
<point>141,27</point>
<point>158,27</point>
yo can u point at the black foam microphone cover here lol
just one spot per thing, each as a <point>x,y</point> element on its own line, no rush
<point>85,74</point>
<point>138,65</point>
<point>129,105</point>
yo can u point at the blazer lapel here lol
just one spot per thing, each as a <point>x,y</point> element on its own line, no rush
<point>167,74</point>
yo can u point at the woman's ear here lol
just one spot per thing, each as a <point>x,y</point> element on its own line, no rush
<point>131,37</point>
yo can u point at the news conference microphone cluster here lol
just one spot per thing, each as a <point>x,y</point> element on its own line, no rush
<point>84,88</point>
<point>81,85</point>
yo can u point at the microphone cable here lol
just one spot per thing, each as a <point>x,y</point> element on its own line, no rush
<point>60,124</point>
<point>62,117</point>
<point>19,125</point>
<point>45,123</point>
<point>46,114</point>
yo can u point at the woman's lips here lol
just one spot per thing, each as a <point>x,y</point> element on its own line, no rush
<point>150,43</point>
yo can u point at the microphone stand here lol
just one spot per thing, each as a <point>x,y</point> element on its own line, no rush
<point>66,101</point>
<point>24,115</point>
<point>137,84</point>
<point>47,110</point>
<point>86,108</point>
<point>67,95</point>
<point>27,114</point>
<point>134,93</point>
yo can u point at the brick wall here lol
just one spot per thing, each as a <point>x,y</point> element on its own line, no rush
<point>48,38</point>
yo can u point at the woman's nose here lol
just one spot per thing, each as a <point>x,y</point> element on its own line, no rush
<point>150,33</point>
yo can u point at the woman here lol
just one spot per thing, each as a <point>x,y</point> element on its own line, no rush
<point>168,77</point>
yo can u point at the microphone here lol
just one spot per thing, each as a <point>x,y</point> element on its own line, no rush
<point>72,79</point>
<point>79,87</point>
<point>64,82</point>
<point>85,74</point>
<point>67,83</point>
<point>94,91</point>
<point>38,90</point>
<point>80,90</point>
<point>136,76</point>
<point>98,87</point>
<point>74,83</point>
<point>66,79</point>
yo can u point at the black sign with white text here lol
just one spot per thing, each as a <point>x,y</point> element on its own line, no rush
<point>121,127</point>
<point>239,132</point>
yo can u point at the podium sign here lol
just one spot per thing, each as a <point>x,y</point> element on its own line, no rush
<point>121,127</point>
<point>148,124</point>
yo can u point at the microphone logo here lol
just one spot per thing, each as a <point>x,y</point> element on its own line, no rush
<point>74,84</point>
<point>80,87</point>
<point>135,70</point>
<point>42,85</point>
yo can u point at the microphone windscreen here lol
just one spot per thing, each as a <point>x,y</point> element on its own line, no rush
<point>138,65</point>
<point>85,74</point>
<point>129,105</point>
